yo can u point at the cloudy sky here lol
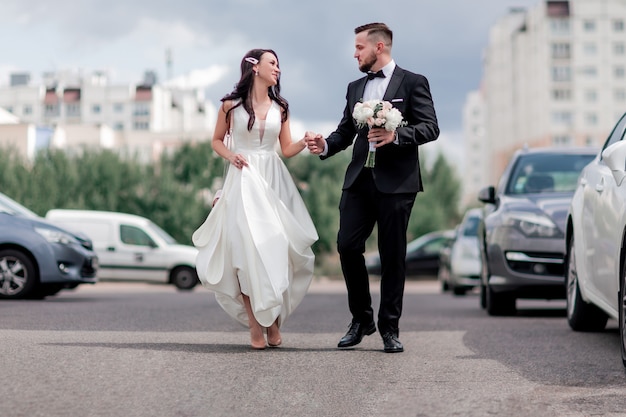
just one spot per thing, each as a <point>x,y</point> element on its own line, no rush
<point>441,39</point>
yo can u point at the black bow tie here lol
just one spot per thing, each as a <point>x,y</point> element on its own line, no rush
<point>371,75</point>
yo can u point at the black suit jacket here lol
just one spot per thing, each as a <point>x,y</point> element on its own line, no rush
<point>397,167</point>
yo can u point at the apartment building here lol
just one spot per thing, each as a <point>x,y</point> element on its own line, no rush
<point>553,75</point>
<point>87,111</point>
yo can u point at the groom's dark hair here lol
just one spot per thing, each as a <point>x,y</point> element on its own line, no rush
<point>380,29</point>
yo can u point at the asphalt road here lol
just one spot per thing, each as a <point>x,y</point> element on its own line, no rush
<point>150,350</point>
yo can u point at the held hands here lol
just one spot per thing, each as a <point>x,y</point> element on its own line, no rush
<point>238,160</point>
<point>380,136</point>
<point>315,142</point>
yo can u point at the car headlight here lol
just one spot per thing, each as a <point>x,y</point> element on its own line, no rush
<point>533,224</point>
<point>55,236</point>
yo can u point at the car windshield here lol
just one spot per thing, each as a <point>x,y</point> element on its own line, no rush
<point>11,206</point>
<point>546,173</point>
<point>162,234</point>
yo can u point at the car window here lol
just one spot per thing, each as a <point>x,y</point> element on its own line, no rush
<point>470,227</point>
<point>617,134</point>
<point>434,246</point>
<point>546,173</point>
<point>132,235</point>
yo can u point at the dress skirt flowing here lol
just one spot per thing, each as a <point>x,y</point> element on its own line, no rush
<point>257,239</point>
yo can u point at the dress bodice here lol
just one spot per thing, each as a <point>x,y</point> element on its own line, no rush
<point>264,133</point>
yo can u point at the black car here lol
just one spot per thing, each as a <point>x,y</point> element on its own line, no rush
<point>422,255</point>
<point>522,230</point>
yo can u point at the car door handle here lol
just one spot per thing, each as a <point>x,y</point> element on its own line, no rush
<point>111,249</point>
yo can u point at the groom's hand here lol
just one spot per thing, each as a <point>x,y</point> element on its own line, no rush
<point>315,142</point>
<point>380,136</point>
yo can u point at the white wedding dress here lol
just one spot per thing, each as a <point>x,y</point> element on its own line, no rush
<point>257,239</point>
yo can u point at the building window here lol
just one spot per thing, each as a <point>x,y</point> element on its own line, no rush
<point>590,48</point>
<point>562,94</point>
<point>51,110</point>
<point>27,109</point>
<point>141,125</point>
<point>561,50</point>
<point>589,25</point>
<point>589,71</point>
<point>96,109</point>
<point>590,141</point>
<point>142,109</point>
<point>619,72</point>
<point>618,48</point>
<point>620,95</point>
<point>618,25</point>
<point>9,109</point>
<point>560,73</point>
<point>118,126</point>
<point>72,110</point>
<point>559,26</point>
<point>562,117</point>
<point>591,96</point>
<point>118,107</point>
<point>561,140</point>
<point>591,119</point>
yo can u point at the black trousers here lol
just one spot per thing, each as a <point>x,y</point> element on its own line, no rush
<point>361,207</point>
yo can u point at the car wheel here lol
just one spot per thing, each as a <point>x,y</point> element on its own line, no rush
<point>581,316</point>
<point>18,276</point>
<point>499,304</point>
<point>459,290</point>
<point>184,277</point>
<point>444,286</point>
<point>622,313</point>
<point>483,296</point>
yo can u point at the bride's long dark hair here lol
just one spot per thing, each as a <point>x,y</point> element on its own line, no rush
<point>244,87</point>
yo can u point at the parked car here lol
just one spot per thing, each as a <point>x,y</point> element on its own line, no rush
<point>522,231</point>
<point>460,262</point>
<point>443,274</point>
<point>132,248</point>
<point>422,255</point>
<point>596,241</point>
<point>37,258</point>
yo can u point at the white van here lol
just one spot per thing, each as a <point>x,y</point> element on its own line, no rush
<point>132,248</point>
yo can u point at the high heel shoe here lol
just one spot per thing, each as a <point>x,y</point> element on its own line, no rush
<point>273,336</point>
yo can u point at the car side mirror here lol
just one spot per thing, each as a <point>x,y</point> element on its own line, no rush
<point>487,195</point>
<point>614,157</point>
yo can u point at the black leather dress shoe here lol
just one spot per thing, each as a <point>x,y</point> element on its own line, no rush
<point>392,344</point>
<point>355,334</point>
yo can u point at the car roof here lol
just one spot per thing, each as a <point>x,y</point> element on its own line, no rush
<point>94,214</point>
<point>561,150</point>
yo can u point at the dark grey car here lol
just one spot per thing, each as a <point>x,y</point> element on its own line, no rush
<point>37,258</point>
<point>522,231</point>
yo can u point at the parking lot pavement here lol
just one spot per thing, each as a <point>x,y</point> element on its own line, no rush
<point>320,285</point>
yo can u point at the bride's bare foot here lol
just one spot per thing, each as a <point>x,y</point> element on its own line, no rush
<point>257,338</point>
<point>273,335</point>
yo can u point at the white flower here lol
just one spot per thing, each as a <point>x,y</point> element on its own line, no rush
<point>377,113</point>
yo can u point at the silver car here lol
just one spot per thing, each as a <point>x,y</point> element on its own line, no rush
<point>37,258</point>
<point>522,231</point>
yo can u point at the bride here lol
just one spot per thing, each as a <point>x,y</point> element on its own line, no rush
<point>255,245</point>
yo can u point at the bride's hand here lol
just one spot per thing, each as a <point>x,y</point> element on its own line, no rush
<point>238,161</point>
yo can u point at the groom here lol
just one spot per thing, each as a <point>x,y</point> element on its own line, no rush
<point>382,195</point>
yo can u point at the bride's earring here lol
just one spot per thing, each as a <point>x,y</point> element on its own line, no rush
<point>256,72</point>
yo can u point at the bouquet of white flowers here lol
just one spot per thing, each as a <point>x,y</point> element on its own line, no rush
<point>376,113</point>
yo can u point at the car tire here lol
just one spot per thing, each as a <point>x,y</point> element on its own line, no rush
<point>500,304</point>
<point>581,316</point>
<point>459,290</point>
<point>184,277</point>
<point>622,312</point>
<point>18,276</point>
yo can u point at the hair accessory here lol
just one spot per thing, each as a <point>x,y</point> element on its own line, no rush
<point>251,60</point>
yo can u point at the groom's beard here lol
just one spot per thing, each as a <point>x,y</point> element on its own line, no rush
<point>368,63</point>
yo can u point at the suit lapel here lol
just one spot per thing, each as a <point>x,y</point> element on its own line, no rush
<point>394,83</point>
<point>358,91</point>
